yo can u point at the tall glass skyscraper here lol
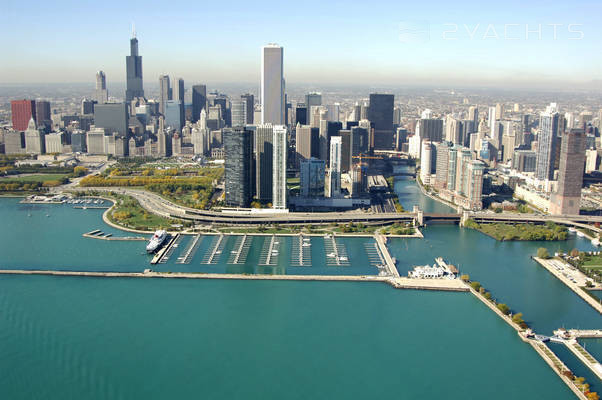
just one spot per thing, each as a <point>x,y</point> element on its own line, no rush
<point>199,101</point>
<point>164,92</point>
<point>133,64</point>
<point>547,141</point>
<point>380,114</point>
<point>238,147</point>
<point>272,85</point>
<point>279,167</point>
<point>102,96</point>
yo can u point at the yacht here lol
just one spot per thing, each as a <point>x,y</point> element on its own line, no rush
<point>156,241</point>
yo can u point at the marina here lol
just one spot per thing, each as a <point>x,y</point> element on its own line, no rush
<point>217,247</point>
<point>336,253</point>
<point>190,251</point>
<point>301,251</point>
<point>270,252</point>
<point>241,250</point>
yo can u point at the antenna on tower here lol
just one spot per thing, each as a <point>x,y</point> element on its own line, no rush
<point>133,30</point>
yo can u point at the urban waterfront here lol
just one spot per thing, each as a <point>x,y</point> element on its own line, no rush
<point>395,341</point>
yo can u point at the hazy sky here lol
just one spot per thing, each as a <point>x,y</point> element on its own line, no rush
<point>338,42</point>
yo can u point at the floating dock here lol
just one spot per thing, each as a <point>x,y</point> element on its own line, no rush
<point>241,250</point>
<point>270,252</point>
<point>217,246</point>
<point>336,253</point>
<point>389,263</point>
<point>98,234</point>
<point>190,250</point>
<point>163,254</point>
<point>301,252</point>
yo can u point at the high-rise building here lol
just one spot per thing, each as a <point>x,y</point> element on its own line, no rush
<point>473,115</point>
<point>78,141</point>
<point>426,162</point>
<point>112,117</point>
<point>280,149</point>
<point>165,92</point>
<point>312,173</point>
<point>95,141</point>
<point>524,160</point>
<point>474,187</point>
<point>54,142</point>
<point>238,148</point>
<point>567,198</point>
<point>88,106</point>
<point>360,141</point>
<point>264,161</point>
<point>14,142</point>
<point>346,150</point>
<point>547,141</point>
<point>238,109</point>
<point>301,114</point>
<point>491,122</point>
<point>178,89</point>
<point>307,142</point>
<point>199,101</point>
<point>22,111</point>
<point>313,99</point>
<point>441,165</point>
<point>133,62</point>
<point>430,129</point>
<point>101,94</point>
<point>43,117</point>
<point>34,139</point>
<point>335,166</point>
<point>272,85</point>
<point>250,102</point>
<point>174,114</point>
<point>380,114</point>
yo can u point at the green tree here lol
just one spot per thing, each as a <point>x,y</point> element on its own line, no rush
<point>542,252</point>
<point>503,308</point>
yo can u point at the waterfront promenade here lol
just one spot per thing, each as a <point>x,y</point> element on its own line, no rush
<point>573,286</point>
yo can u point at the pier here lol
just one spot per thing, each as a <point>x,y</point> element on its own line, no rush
<point>98,234</point>
<point>336,254</point>
<point>190,250</point>
<point>548,264</point>
<point>301,252</point>
<point>163,254</point>
<point>585,357</point>
<point>269,251</point>
<point>216,250</point>
<point>389,263</point>
<point>242,246</point>
<point>375,256</point>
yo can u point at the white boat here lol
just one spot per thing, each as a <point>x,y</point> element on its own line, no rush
<point>596,242</point>
<point>330,255</point>
<point>156,241</point>
<point>580,234</point>
<point>572,230</point>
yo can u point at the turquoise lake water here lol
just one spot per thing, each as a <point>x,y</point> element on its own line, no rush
<point>136,338</point>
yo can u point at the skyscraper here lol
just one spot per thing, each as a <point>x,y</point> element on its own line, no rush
<point>567,198</point>
<point>264,161</point>
<point>199,101</point>
<point>238,109</point>
<point>133,64</point>
<point>165,92</point>
<point>112,117</point>
<point>102,95</point>
<point>34,139</point>
<point>272,85</point>
<point>238,147</point>
<point>43,118</point>
<point>380,113</point>
<point>547,141</point>
<point>279,167</point>
<point>178,89</point>
<point>307,142</point>
<point>174,114</point>
<point>312,173</point>
<point>250,102</point>
<point>313,99</point>
<point>22,111</point>
<point>335,166</point>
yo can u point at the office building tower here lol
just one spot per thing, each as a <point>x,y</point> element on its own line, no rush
<point>567,198</point>
<point>312,174</point>
<point>396,116</point>
<point>346,150</point>
<point>34,139</point>
<point>43,116</point>
<point>238,148</point>
<point>464,157</point>
<point>272,85</point>
<point>239,112</point>
<point>492,120</point>
<point>426,162</point>
<point>301,114</point>
<point>359,180</point>
<point>280,149</point>
<point>335,166</point>
<point>54,142</point>
<point>178,90</point>
<point>22,111</point>
<point>101,94</point>
<point>112,117</point>
<point>313,99</point>
<point>88,107</point>
<point>174,114</point>
<point>430,129</point>
<point>524,160</point>
<point>547,141</point>
<point>164,92</point>
<point>95,141</point>
<point>307,142</point>
<point>250,102</point>
<point>499,111</point>
<point>360,141</point>
<point>473,115</point>
<point>264,161</point>
<point>380,114</point>
<point>199,101</point>
<point>327,130</point>
<point>334,111</point>
<point>133,62</point>
<point>78,141</point>
<point>14,142</point>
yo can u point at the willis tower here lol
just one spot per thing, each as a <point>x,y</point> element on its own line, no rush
<point>133,64</point>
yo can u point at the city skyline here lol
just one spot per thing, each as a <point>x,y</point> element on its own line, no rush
<point>487,48</point>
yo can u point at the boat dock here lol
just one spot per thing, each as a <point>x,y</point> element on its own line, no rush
<point>389,263</point>
<point>336,253</point>
<point>217,246</point>
<point>98,234</point>
<point>163,254</point>
<point>270,251</point>
<point>241,250</point>
<point>301,252</point>
<point>190,250</point>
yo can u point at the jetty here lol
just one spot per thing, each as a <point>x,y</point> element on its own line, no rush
<point>98,234</point>
<point>389,263</point>
<point>163,254</point>
<point>585,357</point>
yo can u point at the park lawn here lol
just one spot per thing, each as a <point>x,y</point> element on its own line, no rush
<point>37,178</point>
<point>128,212</point>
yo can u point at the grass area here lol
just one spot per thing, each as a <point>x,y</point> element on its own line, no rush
<point>351,228</point>
<point>398,229</point>
<point>37,178</point>
<point>526,232</point>
<point>128,213</point>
